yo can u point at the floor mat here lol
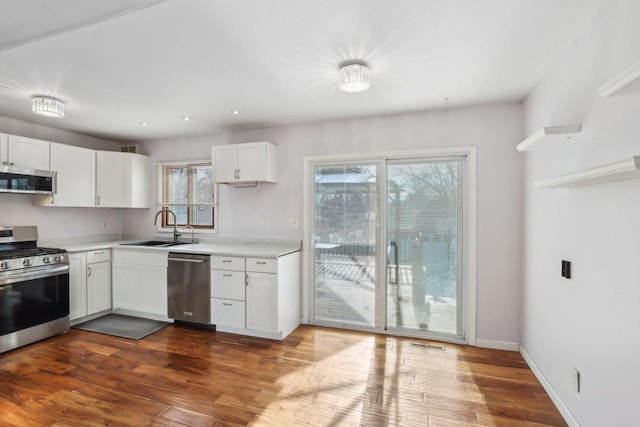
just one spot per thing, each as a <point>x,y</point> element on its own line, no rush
<point>123,326</point>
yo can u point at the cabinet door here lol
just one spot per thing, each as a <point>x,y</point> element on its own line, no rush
<point>251,161</point>
<point>77,285</point>
<point>126,286</point>
<point>28,153</point>
<point>112,179</point>
<point>224,159</point>
<point>140,180</point>
<point>153,280</point>
<point>262,302</point>
<point>76,175</point>
<point>4,149</point>
<point>98,287</point>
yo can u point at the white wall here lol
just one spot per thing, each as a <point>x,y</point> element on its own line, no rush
<point>56,223</point>
<point>495,130</point>
<point>591,320</point>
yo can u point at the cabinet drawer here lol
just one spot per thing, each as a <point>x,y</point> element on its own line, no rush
<point>226,312</point>
<point>262,265</point>
<point>99,255</point>
<point>228,284</point>
<point>227,263</point>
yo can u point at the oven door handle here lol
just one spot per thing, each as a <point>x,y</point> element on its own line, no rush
<point>32,275</point>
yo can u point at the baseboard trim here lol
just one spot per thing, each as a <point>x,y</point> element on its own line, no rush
<point>564,411</point>
<point>497,345</point>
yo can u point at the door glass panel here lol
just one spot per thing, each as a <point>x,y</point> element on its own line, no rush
<point>345,244</point>
<point>423,258</point>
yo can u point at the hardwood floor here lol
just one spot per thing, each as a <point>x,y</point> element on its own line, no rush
<point>317,376</point>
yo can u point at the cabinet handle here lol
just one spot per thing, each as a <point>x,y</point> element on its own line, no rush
<point>12,164</point>
<point>226,303</point>
<point>5,163</point>
<point>227,260</point>
<point>227,275</point>
<point>88,271</point>
<point>52,199</point>
<point>98,201</point>
<point>98,253</point>
<point>261,262</point>
<point>246,279</point>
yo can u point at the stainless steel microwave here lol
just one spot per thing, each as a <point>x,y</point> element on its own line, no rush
<point>17,180</point>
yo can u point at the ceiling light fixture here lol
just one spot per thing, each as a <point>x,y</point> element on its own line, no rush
<point>186,118</point>
<point>235,112</point>
<point>354,77</point>
<point>144,124</point>
<point>48,106</point>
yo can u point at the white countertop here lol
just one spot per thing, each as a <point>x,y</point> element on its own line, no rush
<point>237,247</point>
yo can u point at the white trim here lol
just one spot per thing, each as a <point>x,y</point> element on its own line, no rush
<point>471,224</point>
<point>498,345</point>
<point>564,411</point>
<point>184,162</point>
<point>471,246</point>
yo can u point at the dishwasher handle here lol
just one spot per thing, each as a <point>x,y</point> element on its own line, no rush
<point>187,260</point>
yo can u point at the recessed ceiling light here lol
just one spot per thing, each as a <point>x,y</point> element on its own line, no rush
<point>235,112</point>
<point>144,124</point>
<point>186,118</point>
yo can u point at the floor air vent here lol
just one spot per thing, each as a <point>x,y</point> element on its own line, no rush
<point>427,346</point>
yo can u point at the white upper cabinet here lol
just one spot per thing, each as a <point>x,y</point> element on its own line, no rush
<point>251,162</point>
<point>76,177</point>
<point>25,153</point>
<point>122,180</point>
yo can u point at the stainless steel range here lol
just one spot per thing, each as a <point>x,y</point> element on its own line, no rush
<point>34,288</point>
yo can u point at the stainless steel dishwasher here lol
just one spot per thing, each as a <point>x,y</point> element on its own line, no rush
<point>189,288</point>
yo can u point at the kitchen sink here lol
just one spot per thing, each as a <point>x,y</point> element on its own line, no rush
<point>154,243</point>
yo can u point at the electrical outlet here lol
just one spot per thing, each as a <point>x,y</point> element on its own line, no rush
<point>293,223</point>
<point>105,224</point>
<point>576,379</point>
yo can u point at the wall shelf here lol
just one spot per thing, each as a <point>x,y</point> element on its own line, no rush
<point>625,83</point>
<point>548,136</point>
<point>618,171</point>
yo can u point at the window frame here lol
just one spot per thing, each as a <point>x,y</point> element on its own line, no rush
<point>162,225</point>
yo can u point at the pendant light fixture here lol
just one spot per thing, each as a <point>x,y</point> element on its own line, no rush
<point>48,106</point>
<point>354,77</point>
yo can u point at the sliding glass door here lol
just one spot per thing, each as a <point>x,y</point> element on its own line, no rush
<point>423,222</point>
<point>388,245</point>
<point>345,240</point>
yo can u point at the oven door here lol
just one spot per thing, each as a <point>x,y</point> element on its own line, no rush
<point>34,298</point>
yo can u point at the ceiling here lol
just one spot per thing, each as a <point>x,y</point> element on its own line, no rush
<point>118,63</point>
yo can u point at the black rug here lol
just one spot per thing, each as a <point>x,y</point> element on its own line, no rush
<point>118,325</point>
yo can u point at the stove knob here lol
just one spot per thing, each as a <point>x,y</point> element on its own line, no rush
<point>27,262</point>
<point>59,258</point>
<point>5,265</point>
<point>46,259</point>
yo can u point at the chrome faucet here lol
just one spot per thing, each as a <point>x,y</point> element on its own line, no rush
<point>175,221</point>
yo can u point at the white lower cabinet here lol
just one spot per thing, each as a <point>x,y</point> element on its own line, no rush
<point>140,282</point>
<point>77,285</point>
<point>228,312</point>
<point>259,297</point>
<point>98,281</point>
<point>89,283</point>
<point>262,302</point>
